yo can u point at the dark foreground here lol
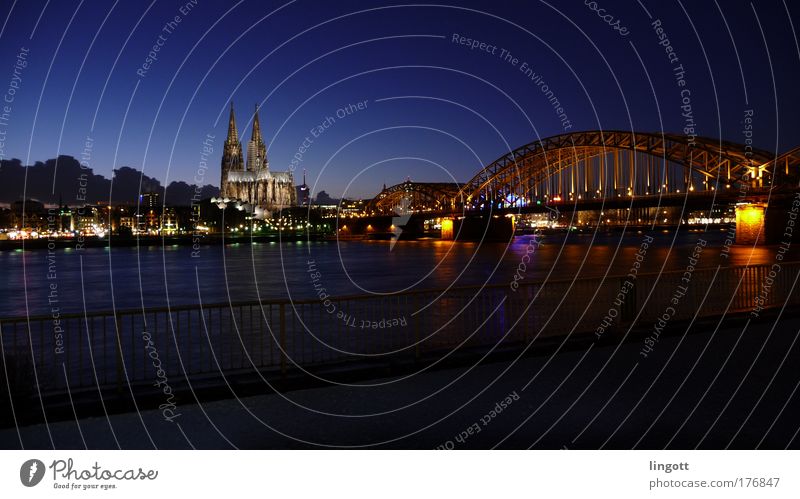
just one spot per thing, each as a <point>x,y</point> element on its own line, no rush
<point>732,387</point>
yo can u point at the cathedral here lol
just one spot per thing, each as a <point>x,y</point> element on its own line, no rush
<point>253,182</point>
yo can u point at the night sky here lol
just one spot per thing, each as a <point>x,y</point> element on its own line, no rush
<point>432,109</point>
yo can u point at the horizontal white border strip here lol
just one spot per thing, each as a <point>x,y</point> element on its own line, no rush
<point>402,474</point>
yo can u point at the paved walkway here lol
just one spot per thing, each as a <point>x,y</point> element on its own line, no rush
<point>571,402</point>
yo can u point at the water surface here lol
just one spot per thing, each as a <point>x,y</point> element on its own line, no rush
<point>155,276</point>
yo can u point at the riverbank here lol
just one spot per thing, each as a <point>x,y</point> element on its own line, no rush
<point>217,239</point>
<point>182,240</point>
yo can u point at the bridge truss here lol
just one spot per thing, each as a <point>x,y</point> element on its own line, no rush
<point>609,164</point>
<point>595,165</point>
<point>414,197</point>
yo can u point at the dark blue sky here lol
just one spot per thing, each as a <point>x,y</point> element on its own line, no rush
<point>450,109</point>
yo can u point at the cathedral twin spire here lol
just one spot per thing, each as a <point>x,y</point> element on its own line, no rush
<point>233,134</point>
<point>256,135</point>
<point>251,181</point>
<point>256,149</point>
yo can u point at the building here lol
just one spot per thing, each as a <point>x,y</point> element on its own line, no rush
<point>170,223</point>
<point>64,220</point>
<point>88,220</point>
<point>127,222</point>
<point>149,201</point>
<point>352,207</point>
<point>253,182</point>
<point>148,213</point>
<point>29,214</point>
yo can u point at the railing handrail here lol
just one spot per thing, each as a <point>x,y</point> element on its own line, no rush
<point>307,301</point>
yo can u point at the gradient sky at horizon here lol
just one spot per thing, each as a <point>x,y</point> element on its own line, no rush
<point>434,110</point>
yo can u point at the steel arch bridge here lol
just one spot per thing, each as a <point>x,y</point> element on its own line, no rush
<point>594,165</point>
<point>607,164</point>
<point>414,197</point>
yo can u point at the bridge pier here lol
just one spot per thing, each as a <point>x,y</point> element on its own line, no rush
<point>758,224</point>
<point>478,228</point>
<point>751,223</point>
<point>447,229</point>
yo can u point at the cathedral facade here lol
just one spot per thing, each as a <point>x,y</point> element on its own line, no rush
<point>253,182</point>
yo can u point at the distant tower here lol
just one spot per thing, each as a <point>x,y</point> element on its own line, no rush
<point>256,150</point>
<point>231,156</point>
<point>302,198</point>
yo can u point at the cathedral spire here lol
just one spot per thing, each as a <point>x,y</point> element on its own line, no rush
<point>256,149</point>
<point>233,134</point>
<point>256,127</point>
<point>231,158</point>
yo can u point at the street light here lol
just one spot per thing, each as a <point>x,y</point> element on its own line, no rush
<point>255,212</point>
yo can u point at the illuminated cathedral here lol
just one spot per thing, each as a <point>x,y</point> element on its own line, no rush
<point>253,182</point>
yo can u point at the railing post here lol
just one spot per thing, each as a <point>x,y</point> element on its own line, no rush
<point>282,336</point>
<point>119,355</point>
<point>508,311</point>
<point>416,328</point>
<point>529,319</point>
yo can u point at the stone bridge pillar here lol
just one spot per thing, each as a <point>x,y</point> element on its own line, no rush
<point>757,223</point>
<point>750,223</point>
<point>478,228</point>
<point>448,234</point>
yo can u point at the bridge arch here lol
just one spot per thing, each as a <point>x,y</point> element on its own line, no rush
<point>602,164</point>
<point>414,197</point>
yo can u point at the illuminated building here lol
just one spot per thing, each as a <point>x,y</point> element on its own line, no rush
<point>253,182</point>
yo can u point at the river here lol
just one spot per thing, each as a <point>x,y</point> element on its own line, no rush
<point>128,277</point>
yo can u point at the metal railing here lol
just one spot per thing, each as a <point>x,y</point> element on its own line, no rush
<point>109,349</point>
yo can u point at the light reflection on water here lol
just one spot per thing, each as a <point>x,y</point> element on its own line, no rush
<point>246,272</point>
